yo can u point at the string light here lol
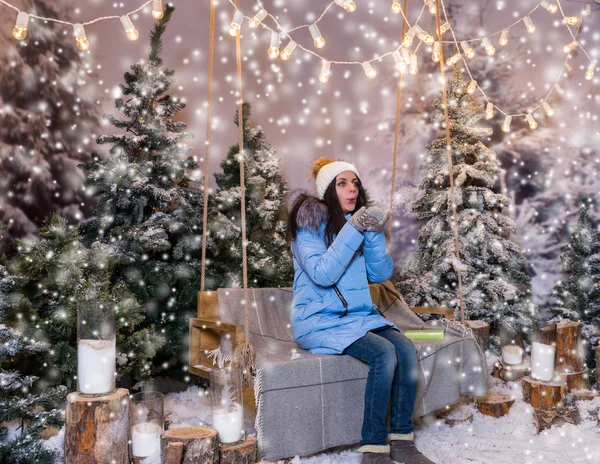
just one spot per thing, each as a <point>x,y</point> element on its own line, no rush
<point>489,48</point>
<point>424,36</point>
<point>236,24</point>
<point>472,86</point>
<point>19,32</point>
<point>80,39</point>
<point>258,18</point>
<point>274,46</point>
<point>414,64</point>
<point>399,62</point>
<point>469,52</point>
<point>568,67</point>
<point>157,9</point>
<point>453,59</point>
<point>437,47</point>
<point>316,35</point>
<point>489,110</point>
<point>325,71</point>
<point>445,27</point>
<point>572,20</point>
<point>589,75</point>
<point>552,8</point>
<point>405,55</point>
<point>532,122</point>
<point>549,111</point>
<point>569,48</point>
<point>347,5</point>
<point>396,7</point>
<point>130,30</point>
<point>369,71</point>
<point>529,24</point>
<point>288,50</point>
<point>431,5</point>
<point>506,125</point>
<point>408,37</point>
<point>559,89</point>
<point>503,41</point>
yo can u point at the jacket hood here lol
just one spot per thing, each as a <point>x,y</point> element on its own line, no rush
<point>312,212</point>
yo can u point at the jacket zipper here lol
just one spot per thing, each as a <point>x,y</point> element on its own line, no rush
<point>344,302</point>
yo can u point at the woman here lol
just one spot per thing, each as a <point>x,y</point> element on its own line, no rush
<point>339,246</point>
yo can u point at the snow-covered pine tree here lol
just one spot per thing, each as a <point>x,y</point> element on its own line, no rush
<point>495,286</point>
<point>46,281</point>
<point>47,113</point>
<point>150,202</point>
<point>25,410</point>
<point>578,296</point>
<point>269,259</point>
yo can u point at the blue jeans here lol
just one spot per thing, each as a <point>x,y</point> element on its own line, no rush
<point>393,369</point>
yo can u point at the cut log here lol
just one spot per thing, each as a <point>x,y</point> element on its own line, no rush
<point>585,395</point>
<point>546,335</point>
<point>495,404</point>
<point>546,418</point>
<point>174,453</point>
<point>511,372</point>
<point>577,380</point>
<point>200,444</point>
<point>97,429</point>
<point>569,348</point>
<point>544,394</point>
<point>481,332</point>
<point>242,453</point>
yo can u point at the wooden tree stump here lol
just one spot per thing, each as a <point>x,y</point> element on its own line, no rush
<point>242,453</point>
<point>511,372</point>
<point>585,395</point>
<point>495,404</point>
<point>544,394</point>
<point>97,429</point>
<point>200,444</point>
<point>174,453</point>
<point>577,380</point>
<point>546,335</point>
<point>569,348</point>
<point>481,332</point>
<point>546,418</point>
<point>454,416</point>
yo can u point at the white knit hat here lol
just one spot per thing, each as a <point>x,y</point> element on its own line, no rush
<point>329,171</point>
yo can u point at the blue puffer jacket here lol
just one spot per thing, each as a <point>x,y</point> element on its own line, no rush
<point>317,319</point>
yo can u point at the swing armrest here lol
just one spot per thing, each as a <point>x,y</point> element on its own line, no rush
<point>448,313</point>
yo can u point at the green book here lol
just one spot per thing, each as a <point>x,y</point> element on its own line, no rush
<point>426,334</point>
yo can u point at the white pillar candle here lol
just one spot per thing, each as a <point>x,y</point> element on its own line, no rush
<point>512,354</point>
<point>145,439</point>
<point>542,361</point>
<point>96,366</point>
<point>229,424</point>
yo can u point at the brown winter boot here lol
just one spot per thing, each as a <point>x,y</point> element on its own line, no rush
<point>403,449</point>
<point>375,454</point>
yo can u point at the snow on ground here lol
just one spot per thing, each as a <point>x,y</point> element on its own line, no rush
<point>486,440</point>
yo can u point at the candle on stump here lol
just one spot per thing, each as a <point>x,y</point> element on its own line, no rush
<point>229,424</point>
<point>145,439</point>
<point>542,361</point>
<point>512,354</point>
<point>96,366</point>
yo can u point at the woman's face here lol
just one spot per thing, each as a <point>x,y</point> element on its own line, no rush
<point>346,188</point>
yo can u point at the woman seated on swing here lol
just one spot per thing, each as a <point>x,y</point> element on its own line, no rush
<point>338,245</point>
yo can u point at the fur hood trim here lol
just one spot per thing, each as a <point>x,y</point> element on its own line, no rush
<point>312,212</point>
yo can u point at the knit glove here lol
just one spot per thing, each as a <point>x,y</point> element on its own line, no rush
<point>359,219</point>
<point>376,219</point>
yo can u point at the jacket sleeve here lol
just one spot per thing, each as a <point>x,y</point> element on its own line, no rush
<point>380,265</point>
<point>325,266</point>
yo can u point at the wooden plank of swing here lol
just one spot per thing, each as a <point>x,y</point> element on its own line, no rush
<point>208,304</point>
<point>448,312</point>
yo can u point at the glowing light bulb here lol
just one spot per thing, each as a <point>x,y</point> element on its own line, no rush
<point>572,20</point>
<point>453,59</point>
<point>589,74</point>
<point>131,32</point>
<point>549,111</point>
<point>426,38</point>
<point>157,9</point>
<point>80,39</point>
<point>431,5</point>
<point>19,32</point>
<point>316,35</point>
<point>408,38</point>
<point>405,55</point>
<point>503,37</point>
<point>569,48</point>
<point>414,65</point>
<point>325,71</point>
<point>489,48</point>
<point>347,5</point>
<point>468,49</point>
<point>506,125</point>
<point>369,71</point>
<point>559,89</point>
<point>399,62</point>
<point>288,50</point>
<point>396,7</point>
<point>236,24</point>
<point>552,8</point>
<point>445,27</point>
<point>568,67</point>
<point>274,45</point>
<point>472,86</point>
<point>437,47</point>
<point>529,24</point>
<point>489,110</point>
<point>532,122</point>
<point>258,18</point>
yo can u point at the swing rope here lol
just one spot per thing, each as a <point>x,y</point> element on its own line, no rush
<point>450,166</point>
<point>397,128</point>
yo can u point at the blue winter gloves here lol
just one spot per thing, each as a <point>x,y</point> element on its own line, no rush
<point>370,219</point>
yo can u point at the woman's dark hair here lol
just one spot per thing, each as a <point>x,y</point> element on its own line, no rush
<point>336,215</point>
